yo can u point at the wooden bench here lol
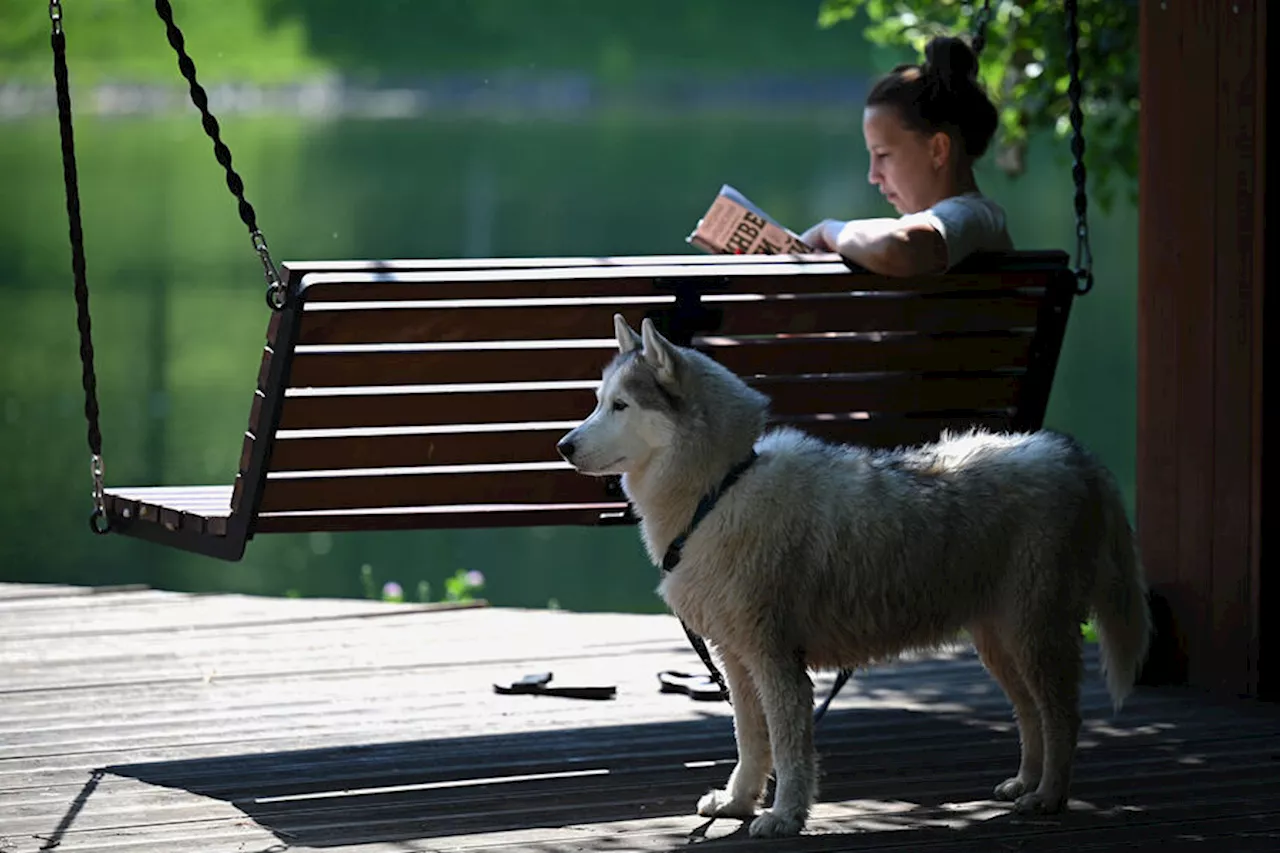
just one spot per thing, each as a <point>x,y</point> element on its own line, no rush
<point>418,394</point>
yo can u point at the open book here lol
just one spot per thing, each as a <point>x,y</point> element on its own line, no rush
<point>733,225</point>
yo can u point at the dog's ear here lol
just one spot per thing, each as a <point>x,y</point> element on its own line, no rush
<point>659,351</point>
<point>628,340</point>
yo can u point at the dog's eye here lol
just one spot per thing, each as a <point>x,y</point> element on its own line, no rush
<point>619,405</point>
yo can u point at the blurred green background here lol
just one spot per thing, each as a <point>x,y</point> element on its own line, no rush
<point>389,129</point>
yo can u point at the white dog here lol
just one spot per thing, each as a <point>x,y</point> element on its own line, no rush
<point>810,554</point>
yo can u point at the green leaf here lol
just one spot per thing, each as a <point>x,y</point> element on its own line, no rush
<point>1024,69</point>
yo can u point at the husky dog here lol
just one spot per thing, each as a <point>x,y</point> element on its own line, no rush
<point>829,556</point>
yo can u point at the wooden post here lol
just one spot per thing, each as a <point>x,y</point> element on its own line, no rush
<point>1200,336</point>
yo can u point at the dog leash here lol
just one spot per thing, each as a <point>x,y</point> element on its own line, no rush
<point>672,558</point>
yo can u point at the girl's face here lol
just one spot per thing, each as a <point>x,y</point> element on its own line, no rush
<point>911,169</point>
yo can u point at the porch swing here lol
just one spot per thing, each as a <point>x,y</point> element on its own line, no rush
<point>413,394</point>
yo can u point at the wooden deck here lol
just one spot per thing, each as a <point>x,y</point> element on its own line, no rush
<point>140,720</point>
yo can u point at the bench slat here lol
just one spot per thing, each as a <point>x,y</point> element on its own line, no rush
<point>411,518</point>
<point>343,410</point>
<point>875,393</point>
<point>399,450</point>
<point>569,321</point>
<point>320,492</point>
<point>895,432</point>
<point>891,394</point>
<point>744,356</point>
<point>395,450</point>
<point>584,281</point>
<point>1034,259</point>
<point>286,507</point>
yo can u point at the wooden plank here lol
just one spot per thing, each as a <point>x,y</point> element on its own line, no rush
<point>571,319</point>
<point>887,432</point>
<point>337,367</point>
<point>1193,290</point>
<point>1023,259</point>
<point>410,407</point>
<point>381,448</point>
<point>1263,583</point>
<point>894,393</point>
<point>1178,46</point>
<point>191,511</point>
<point>905,353</point>
<point>390,450</point>
<point>643,279</point>
<point>202,500</point>
<point>1236,374</point>
<point>321,744</point>
<point>505,485</point>
<point>474,517</point>
<point>191,517</point>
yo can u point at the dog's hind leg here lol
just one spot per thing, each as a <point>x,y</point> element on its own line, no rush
<point>1052,665</point>
<point>1002,666</point>
<point>787,696</point>
<point>742,795</point>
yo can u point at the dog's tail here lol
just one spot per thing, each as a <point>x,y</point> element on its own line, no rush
<point>1120,599</point>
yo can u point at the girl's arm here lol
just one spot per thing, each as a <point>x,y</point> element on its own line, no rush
<point>886,246</point>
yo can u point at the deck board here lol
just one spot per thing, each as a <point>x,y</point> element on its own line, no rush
<point>141,720</point>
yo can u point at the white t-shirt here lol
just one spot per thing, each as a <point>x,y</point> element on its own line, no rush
<point>968,223</point>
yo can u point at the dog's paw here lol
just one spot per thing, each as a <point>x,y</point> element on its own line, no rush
<point>774,824</point>
<point>719,804</point>
<point>1010,789</point>
<point>1036,803</point>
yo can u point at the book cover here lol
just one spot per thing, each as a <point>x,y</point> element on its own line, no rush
<point>734,225</point>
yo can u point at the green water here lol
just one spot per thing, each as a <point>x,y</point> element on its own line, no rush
<point>179,317</point>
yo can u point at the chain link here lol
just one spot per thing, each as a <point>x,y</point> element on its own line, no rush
<point>276,294</point>
<point>98,521</point>
<point>1084,254</point>
<point>980,21</point>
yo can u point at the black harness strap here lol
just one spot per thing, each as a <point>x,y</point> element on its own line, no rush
<point>708,502</point>
<point>672,558</point>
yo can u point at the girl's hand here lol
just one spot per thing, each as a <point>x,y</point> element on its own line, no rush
<point>816,236</point>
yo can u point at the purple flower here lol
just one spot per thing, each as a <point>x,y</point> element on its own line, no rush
<point>474,578</point>
<point>391,591</point>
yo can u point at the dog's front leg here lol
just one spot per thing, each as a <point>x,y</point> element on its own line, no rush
<point>787,696</point>
<point>746,784</point>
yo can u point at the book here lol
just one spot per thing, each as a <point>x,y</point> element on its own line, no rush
<point>734,225</point>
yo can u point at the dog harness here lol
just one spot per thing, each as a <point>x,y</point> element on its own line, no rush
<point>708,502</point>
<point>672,558</point>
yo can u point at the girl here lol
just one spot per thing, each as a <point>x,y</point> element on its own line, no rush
<point>924,125</point>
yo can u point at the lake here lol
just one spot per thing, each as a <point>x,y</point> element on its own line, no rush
<point>178,314</point>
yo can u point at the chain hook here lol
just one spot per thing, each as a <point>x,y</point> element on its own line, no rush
<point>98,521</point>
<point>277,293</point>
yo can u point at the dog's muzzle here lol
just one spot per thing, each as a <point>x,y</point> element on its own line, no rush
<point>566,448</point>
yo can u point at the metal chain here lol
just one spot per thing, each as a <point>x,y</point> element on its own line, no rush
<point>980,22</point>
<point>276,292</point>
<point>98,521</point>
<point>1084,254</point>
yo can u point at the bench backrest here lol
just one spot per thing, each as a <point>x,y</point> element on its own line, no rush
<point>432,393</point>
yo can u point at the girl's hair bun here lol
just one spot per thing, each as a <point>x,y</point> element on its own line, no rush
<point>950,60</point>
